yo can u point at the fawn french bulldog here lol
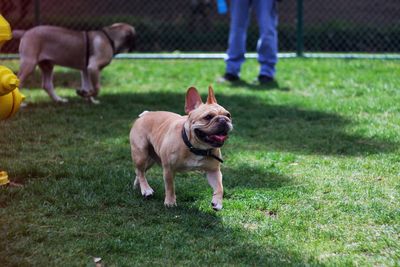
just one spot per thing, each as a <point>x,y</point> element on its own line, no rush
<point>182,143</point>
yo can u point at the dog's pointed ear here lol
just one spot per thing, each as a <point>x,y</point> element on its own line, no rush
<point>193,100</point>
<point>211,97</point>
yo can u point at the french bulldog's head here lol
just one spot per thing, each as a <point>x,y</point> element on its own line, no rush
<point>209,122</point>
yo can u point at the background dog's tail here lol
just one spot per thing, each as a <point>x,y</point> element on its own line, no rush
<point>17,34</point>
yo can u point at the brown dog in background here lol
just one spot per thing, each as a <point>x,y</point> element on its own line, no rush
<point>182,143</point>
<point>88,51</point>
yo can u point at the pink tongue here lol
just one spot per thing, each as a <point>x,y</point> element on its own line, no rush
<point>219,138</point>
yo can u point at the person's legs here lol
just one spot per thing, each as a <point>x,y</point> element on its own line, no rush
<point>237,36</point>
<point>267,46</point>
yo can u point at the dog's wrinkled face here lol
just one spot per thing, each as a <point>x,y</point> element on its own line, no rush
<point>209,123</point>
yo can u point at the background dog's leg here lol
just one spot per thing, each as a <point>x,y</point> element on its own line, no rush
<point>86,86</point>
<point>26,68</point>
<point>94,80</point>
<point>87,89</point>
<point>215,180</point>
<point>94,75</point>
<point>47,81</point>
<point>170,198</point>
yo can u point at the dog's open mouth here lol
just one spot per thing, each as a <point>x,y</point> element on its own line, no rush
<point>216,139</point>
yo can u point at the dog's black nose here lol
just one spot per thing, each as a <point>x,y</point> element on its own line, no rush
<point>222,120</point>
<point>223,125</point>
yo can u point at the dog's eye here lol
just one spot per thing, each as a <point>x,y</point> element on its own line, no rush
<point>209,117</point>
<point>228,115</point>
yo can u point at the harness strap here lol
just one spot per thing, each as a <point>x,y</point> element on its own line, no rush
<point>109,40</point>
<point>86,37</point>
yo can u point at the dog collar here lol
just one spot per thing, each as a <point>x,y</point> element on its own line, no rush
<point>109,40</point>
<point>197,151</point>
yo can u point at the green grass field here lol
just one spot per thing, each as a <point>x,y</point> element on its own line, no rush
<point>311,170</point>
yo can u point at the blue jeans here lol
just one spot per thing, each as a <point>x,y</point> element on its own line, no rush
<point>267,45</point>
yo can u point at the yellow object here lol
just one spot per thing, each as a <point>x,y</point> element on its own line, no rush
<point>5,31</point>
<point>4,178</point>
<point>10,103</point>
<point>8,81</point>
<point>10,97</point>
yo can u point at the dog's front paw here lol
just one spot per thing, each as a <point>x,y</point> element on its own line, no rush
<point>92,100</point>
<point>61,100</point>
<point>170,202</point>
<point>217,206</point>
<point>147,192</point>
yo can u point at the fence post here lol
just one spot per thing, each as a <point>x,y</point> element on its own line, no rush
<point>300,29</point>
<point>37,13</point>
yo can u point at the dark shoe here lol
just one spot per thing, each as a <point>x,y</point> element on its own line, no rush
<point>229,77</point>
<point>264,79</point>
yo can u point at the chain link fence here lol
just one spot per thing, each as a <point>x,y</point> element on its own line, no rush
<point>371,26</point>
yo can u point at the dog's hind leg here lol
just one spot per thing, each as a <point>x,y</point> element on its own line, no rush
<point>143,161</point>
<point>140,179</point>
<point>47,81</point>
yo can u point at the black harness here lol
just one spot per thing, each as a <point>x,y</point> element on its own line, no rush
<point>109,40</point>
<point>197,151</point>
<point>87,48</point>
